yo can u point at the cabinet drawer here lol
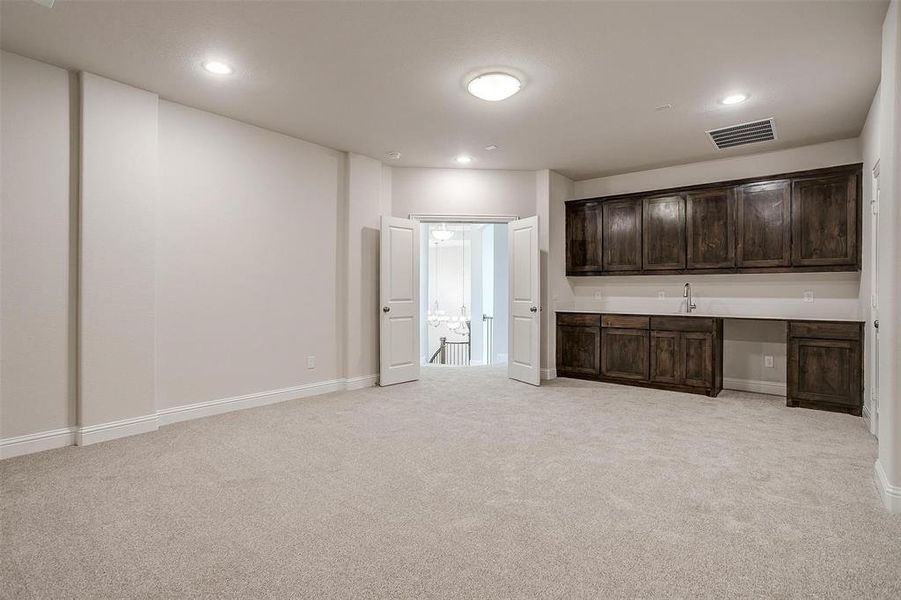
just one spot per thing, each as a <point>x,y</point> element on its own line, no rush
<point>579,319</point>
<point>702,324</point>
<point>827,330</point>
<point>626,321</point>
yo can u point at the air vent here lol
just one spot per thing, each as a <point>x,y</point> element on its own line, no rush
<point>746,133</point>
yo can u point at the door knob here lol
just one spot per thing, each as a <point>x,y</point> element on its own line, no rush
<point>386,309</point>
<point>534,309</point>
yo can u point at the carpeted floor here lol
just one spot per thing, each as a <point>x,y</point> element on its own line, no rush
<point>463,485</point>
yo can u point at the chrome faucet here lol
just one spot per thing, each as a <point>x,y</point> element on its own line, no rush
<point>686,293</point>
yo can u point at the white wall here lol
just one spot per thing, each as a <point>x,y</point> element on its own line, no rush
<point>118,239</point>
<point>462,192</point>
<point>888,467</point>
<point>37,274</point>
<point>247,266</point>
<point>368,197</point>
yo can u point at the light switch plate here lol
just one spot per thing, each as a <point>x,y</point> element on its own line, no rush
<point>311,362</point>
<point>808,296</point>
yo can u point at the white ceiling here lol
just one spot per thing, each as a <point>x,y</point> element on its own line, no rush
<point>375,77</point>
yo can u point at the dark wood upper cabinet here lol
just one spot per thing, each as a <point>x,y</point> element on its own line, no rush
<point>622,235</point>
<point>763,224</point>
<point>824,220</point>
<point>710,228</point>
<point>803,221</point>
<point>584,233</point>
<point>663,233</point>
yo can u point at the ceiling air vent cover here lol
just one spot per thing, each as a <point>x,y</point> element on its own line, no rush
<point>746,133</point>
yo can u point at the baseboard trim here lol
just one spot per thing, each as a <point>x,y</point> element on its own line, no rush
<point>104,432</point>
<point>37,442</point>
<point>549,373</point>
<point>756,386</point>
<point>92,434</point>
<point>890,494</point>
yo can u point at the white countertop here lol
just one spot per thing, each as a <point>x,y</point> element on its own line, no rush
<point>596,311</point>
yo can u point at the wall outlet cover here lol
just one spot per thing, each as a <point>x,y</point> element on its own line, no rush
<point>808,296</point>
<point>661,294</point>
<point>311,362</point>
<point>598,296</point>
<point>768,361</point>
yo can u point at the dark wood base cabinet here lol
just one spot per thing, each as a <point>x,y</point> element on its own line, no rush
<point>682,353</point>
<point>674,353</point>
<point>825,366</point>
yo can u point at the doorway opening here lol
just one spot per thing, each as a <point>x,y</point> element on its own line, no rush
<point>463,293</point>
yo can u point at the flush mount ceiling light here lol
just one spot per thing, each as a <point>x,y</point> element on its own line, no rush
<point>217,67</point>
<point>734,99</point>
<point>443,234</point>
<point>463,159</point>
<point>392,155</point>
<point>494,86</point>
<point>491,147</point>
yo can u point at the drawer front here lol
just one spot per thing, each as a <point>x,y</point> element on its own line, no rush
<point>824,330</point>
<point>579,319</point>
<point>625,321</point>
<point>699,324</point>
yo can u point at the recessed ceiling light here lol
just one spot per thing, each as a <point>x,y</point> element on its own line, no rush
<point>392,155</point>
<point>490,147</point>
<point>217,67</point>
<point>464,160</point>
<point>734,99</point>
<point>494,86</point>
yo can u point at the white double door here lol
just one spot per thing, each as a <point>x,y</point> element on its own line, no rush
<point>399,301</point>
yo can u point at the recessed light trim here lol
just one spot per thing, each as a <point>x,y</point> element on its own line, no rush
<point>734,99</point>
<point>491,147</point>
<point>494,86</point>
<point>217,67</point>
<point>463,159</point>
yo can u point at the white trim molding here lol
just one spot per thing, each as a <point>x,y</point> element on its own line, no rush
<point>103,432</point>
<point>92,434</point>
<point>756,386</point>
<point>223,405</point>
<point>890,494</point>
<point>549,373</point>
<point>37,442</point>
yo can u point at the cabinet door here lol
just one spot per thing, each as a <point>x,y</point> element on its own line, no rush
<point>824,221</point>
<point>763,224</point>
<point>666,355</point>
<point>578,350</point>
<point>624,353</point>
<point>622,235</point>
<point>710,229</point>
<point>824,371</point>
<point>697,359</point>
<point>663,233</point>
<point>583,238</point>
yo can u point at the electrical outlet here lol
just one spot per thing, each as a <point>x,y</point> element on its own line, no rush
<point>311,362</point>
<point>661,295</point>
<point>808,296</point>
<point>768,362</point>
<point>598,296</point>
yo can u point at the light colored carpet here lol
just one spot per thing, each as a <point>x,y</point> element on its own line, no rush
<point>463,485</point>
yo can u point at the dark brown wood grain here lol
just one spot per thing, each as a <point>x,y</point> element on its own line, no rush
<point>622,235</point>
<point>825,366</point>
<point>683,323</point>
<point>697,359</point>
<point>578,350</point>
<point>824,220</point>
<point>763,224</point>
<point>710,228</point>
<point>626,321</point>
<point>624,353</point>
<point>663,233</point>
<point>666,357</point>
<point>584,237</point>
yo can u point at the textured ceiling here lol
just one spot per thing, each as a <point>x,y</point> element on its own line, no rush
<point>375,77</point>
